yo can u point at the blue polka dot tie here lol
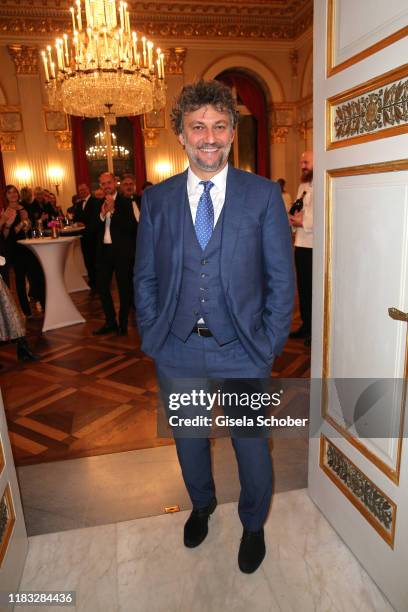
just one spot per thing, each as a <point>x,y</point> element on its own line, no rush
<point>204,221</point>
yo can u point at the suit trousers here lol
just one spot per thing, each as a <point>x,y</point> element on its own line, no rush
<point>193,364</point>
<point>304,268</point>
<point>110,261</point>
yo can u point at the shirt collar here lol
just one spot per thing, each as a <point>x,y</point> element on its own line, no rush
<point>219,179</point>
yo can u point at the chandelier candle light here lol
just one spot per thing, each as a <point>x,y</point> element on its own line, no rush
<point>99,150</point>
<point>105,67</point>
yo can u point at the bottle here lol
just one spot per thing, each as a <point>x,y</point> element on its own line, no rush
<point>298,205</point>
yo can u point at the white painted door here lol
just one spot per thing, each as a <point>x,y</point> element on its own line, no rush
<point>358,462</point>
<point>13,537</point>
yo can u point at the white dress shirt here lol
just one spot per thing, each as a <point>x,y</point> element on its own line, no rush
<point>107,238</point>
<point>304,235</point>
<point>194,191</point>
<point>85,202</point>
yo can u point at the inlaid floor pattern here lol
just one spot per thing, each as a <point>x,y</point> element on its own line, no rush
<point>91,395</point>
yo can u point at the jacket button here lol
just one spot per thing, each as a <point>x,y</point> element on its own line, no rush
<point>196,313</point>
<point>204,261</point>
<point>202,300</point>
<point>203,275</point>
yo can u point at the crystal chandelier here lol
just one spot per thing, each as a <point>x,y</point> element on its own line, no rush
<point>100,149</point>
<point>105,65</point>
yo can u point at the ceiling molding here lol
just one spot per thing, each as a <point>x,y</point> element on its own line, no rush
<point>261,20</point>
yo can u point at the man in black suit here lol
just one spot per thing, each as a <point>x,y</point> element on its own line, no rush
<point>86,210</point>
<point>128,189</point>
<point>116,246</point>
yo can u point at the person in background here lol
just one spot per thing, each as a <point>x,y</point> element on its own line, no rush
<point>286,197</point>
<point>17,255</point>
<point>115,254</point>
<point>128,189</point>
<point>26,195</point>
<point>36,209</point>
<point>11,324</point>
<point>87,211</point>
<point>303,223</point>
<point>52,208</point>
<point>99,194</point>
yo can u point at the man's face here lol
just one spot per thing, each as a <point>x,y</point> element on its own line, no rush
<point>83,191</point>
<point>207,137</point>
<point>306,167</point>
<point>39,195</point>
<point>128,187</point>
<point>108,184</point>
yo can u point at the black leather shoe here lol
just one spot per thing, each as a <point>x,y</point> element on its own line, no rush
<point>105,329</point>
<point>299,333</point>
<point>196,527</point>
<point>24,353</point>
<point>251,551</point>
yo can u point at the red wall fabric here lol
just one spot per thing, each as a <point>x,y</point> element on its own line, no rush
<point>138,153</point>
<point>78,150</point>
<point>253,97</point>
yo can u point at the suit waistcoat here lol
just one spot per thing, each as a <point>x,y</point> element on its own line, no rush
<point>201,293</point>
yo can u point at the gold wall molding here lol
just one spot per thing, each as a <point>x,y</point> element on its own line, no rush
<point>151,137</point>
<point>8,142</point>
<point>7,521</point>
<point>63,140</point>
<point>254,19</point>
<point>279,135</point>
<point>332,67</point>
<point>25,58</point>
<point>379,510</point>
<point>395,166</point>
<point>375,109</point>
<point>174,59</point>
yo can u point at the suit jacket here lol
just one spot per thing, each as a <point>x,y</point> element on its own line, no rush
<point>89,215</point>
<point>123,228</point>
<point>256,266</point>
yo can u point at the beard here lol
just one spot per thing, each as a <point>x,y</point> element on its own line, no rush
<point>208,167</point>
<point>306,176</point>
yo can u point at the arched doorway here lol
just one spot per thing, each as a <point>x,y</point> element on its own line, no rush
<point>251,147</point>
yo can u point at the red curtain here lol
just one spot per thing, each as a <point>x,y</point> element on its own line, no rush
<point>253,97</point>
<point>2,182</point>
<point>78,150</point>
<point>138,153</point>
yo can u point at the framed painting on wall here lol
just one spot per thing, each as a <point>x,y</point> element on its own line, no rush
<point>10,121</point>
<point>155,119</point>
<point>55,121</point>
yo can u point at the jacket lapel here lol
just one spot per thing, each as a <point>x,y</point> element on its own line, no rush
<point>175,207</point>
<point>233,212</point>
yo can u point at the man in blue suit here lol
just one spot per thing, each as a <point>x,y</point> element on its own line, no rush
<point>214,286</point>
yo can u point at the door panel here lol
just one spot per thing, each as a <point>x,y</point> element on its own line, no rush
<point>358,464</point>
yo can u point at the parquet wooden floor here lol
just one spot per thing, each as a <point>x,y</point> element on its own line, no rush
<point>91,395</point>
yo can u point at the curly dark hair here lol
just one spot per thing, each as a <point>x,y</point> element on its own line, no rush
<point>193,97</point>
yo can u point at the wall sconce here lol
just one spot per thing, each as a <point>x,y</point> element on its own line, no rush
<point>163,169</point>
<point>55,173</point>
<point>23,175</point>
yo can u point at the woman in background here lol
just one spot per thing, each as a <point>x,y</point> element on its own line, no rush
<point>11,323</point>
<point>23,261</point>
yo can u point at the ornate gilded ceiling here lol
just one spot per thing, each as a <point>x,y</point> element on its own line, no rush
<point>277,20</point>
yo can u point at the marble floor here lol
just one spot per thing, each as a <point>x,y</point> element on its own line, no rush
<point>135,484</point>
<point>142,566</point>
